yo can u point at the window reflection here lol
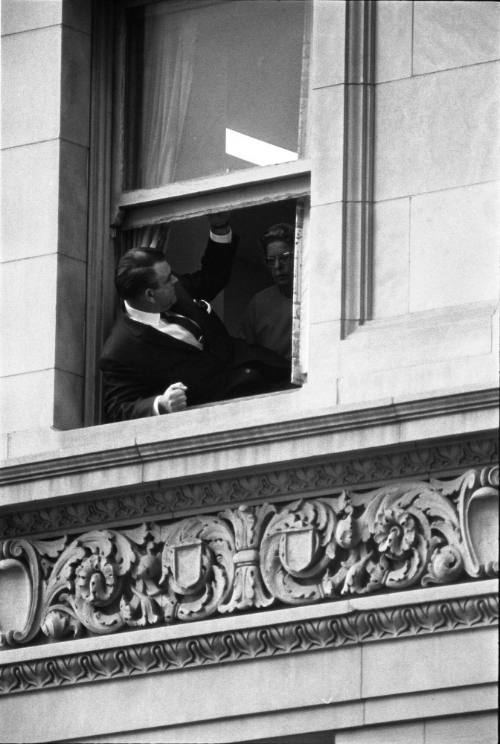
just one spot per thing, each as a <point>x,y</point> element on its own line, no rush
<point>256,151</point>
<point>211,88</point>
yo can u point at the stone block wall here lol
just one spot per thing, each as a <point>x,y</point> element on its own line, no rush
<point>434,267</point>
<point>380,626</point>
<point>45,146</point>
<point>433,272</point>
<point>436,156</point>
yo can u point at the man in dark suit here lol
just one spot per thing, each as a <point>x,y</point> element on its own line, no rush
<point>168,349</point>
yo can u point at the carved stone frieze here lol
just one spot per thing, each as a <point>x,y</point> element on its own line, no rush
<point>407,534</point>
<point>298,480</point>
<point>239,645</point>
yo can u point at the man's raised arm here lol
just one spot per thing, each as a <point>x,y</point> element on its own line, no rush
<point>217,261</point>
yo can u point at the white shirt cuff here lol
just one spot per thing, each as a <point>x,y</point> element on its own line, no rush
<point>156,409</point>
<point>226,238</point>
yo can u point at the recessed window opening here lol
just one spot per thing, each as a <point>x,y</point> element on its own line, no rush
<point>184,241</point>
<point>209,117</point>
<point>167,334</point>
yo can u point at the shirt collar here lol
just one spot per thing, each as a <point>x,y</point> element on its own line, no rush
<point>141,316</point>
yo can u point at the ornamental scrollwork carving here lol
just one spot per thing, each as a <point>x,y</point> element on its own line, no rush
<point>391,538</point>
<point>404,535</point>
<point>34,555</point>
<point>297,548</point>
<point>103,581</point>
<point>478,513</point>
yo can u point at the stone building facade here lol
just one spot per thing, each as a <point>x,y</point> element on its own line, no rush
<point>313,565</point>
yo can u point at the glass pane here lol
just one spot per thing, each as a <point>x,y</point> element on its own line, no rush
<point>211,87</point>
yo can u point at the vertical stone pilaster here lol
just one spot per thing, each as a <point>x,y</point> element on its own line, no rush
<point>358,164</point>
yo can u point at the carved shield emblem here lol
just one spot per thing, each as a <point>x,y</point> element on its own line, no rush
<point>187,564</point>
<point>297,548</point>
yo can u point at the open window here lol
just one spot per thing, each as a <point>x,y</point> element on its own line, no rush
<point>184,241</point>
<point>209,102</point>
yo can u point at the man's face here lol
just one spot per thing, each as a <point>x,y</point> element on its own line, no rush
<point>279,258</point>
<point>164,294</point>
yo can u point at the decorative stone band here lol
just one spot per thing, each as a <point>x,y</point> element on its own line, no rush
<point>309,478</point>
<point>329,631</point>
<point>408,534</point>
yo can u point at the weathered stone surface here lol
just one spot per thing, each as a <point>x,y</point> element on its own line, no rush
<point>324,259</point>
<point>17,393</point>
<point>25,15</point>
<point>73,194</point>
<point>327,145</point>
<point>407,534</point>
<point>328,43</point>
<point>75,86</point>
<point>454,34</point>
<point>420,663</point>
<point>394,40</point>
<point>454,247</point>
<point>35,278</point>
<point>391,257</point>
<point>409,733</point>
<point>417,151</point>
<point>23,169</point>
<point>70,310</point>
<point>31,86</point>
<point>469,729</point>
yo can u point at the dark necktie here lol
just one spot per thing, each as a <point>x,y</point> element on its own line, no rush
<point>187,323</point>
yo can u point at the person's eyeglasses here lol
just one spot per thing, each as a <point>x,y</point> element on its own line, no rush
<point>281,260</point>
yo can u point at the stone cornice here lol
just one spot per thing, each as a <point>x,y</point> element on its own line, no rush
<point>245,643</point>
<point>311,477</point>
<point>53,466</point>
<point>304,478</point>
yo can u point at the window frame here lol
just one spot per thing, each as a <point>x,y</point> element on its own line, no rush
<point>243,188</point>
<point>113,209</point>
<point>109,207</point>
<point>139,207</point>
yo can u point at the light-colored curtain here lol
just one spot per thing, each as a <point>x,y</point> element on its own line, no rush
<point>150,236</point>
<point>170,46</point>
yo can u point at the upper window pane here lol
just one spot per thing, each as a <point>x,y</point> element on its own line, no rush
<point>211,87</point>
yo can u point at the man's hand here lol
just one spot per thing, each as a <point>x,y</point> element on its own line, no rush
<point>219,222</point>
<point>173,399</point>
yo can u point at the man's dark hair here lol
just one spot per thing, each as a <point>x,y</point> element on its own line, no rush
<point>282,231</point>
<point>135,271</point>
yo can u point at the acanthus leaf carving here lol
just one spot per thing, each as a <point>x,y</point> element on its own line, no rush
<point>93,580</point>
<point>249,590</point>
<point>407,534</point>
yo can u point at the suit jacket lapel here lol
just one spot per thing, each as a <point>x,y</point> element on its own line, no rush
<point>155,337</point>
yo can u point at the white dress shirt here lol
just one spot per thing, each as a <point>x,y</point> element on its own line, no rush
<point>156,321</point>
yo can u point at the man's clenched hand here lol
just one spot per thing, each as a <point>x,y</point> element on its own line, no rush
<point>173,399</point>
